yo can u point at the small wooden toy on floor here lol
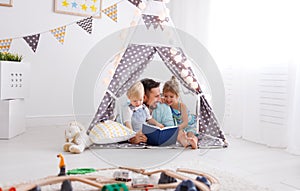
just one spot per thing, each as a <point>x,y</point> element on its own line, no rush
<point>62,165</point>
<point>66,185</point>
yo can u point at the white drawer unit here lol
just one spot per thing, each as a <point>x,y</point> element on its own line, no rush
<point>12,118</point>
<point>14,88</point>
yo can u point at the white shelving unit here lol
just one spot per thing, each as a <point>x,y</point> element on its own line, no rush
<point>14,88</point>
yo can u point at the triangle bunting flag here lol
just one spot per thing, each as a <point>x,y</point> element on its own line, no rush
<point>32,41</point>
<point>135,2</point>
<point>111,12</point>
<point>86,24</point>
<point>5,45</point>
<point>152,20</point>
<point>59,34</point>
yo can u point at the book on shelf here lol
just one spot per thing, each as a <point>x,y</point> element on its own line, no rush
<point>157,136</point>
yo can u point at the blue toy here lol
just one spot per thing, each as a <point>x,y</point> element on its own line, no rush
<point>203,180</point>
<point>186,185</point>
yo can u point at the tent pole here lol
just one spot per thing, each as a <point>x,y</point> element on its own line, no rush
<point>198,110</point>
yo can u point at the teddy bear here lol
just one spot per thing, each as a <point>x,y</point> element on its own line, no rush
<point>76,139</point>
<point>71,131</point>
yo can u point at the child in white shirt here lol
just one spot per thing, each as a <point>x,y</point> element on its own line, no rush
<point>136,113</point>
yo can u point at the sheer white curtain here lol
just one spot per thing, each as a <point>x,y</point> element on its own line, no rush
<point>255,44</point>
<point>191,16</point>
<point>293,144</point>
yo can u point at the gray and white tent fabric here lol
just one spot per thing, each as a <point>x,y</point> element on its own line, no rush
<point>134,61</point>
<point>141,46</point>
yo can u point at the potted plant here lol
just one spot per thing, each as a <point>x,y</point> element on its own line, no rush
<point>10,57</point>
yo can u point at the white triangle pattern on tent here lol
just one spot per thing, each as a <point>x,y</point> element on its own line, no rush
<point>176,67</point>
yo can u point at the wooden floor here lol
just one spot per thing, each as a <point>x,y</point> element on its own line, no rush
<point>32,155</point>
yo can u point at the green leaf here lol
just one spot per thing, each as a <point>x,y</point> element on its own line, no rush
<point>10,57</point>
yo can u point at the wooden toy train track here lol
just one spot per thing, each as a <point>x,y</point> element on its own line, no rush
<point>122,182</point>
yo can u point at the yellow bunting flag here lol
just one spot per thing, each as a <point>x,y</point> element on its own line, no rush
<point>59,34</point>
<point>5,45</point>
<point>111,12</point>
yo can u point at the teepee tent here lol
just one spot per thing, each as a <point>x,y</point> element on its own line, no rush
<point>138,54</point>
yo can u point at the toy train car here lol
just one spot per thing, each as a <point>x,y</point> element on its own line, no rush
<point>141,182</point>
<point>123,176</point>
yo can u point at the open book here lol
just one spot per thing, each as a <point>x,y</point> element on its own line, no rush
<point>160,137</point>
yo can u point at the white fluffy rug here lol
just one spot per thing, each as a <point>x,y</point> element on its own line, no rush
<point>228,181</point>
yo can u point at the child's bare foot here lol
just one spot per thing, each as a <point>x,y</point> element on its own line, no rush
<point>182,138</point>
<point>193,141</point>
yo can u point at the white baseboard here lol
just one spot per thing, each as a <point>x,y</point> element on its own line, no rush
<point>56,120</point>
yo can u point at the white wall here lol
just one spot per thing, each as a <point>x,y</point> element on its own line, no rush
<point>54,66</point>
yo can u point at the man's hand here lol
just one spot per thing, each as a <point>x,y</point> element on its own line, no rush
<point>138,138</point>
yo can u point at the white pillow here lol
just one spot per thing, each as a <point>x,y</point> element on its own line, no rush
<point>110,132</point>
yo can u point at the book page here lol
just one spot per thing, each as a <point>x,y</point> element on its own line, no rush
<point>156,127</point>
